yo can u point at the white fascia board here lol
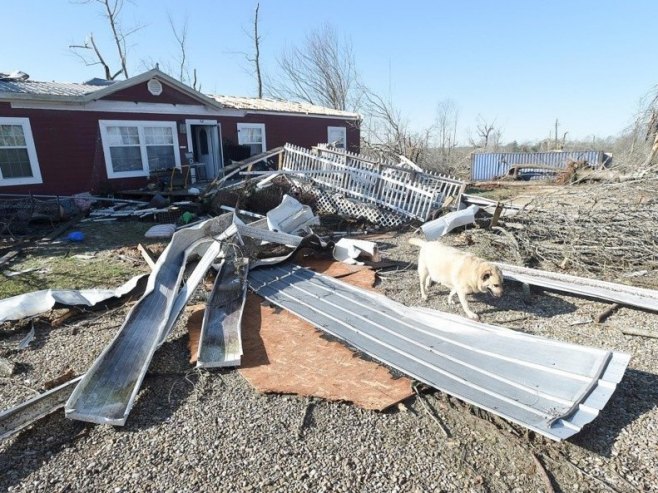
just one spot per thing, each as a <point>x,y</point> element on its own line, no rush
<point>128,107</point>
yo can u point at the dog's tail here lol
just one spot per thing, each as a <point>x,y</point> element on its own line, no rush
<point>417,241</point>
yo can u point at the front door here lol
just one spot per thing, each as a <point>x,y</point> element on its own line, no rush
<point>205,148</point>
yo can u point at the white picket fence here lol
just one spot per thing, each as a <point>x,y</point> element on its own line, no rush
<point>412,193</point>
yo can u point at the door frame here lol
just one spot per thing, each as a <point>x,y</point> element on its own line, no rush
<point>215,128</point>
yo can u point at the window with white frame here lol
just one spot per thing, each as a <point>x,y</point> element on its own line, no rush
<point>136,148</point>
<point>18,155</point>
<point>252,135</point>
<point>337,136</point>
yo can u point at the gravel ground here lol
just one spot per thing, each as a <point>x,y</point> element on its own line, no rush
<point>194,430</point>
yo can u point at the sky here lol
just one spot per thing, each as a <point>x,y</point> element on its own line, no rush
<point>519,63</point>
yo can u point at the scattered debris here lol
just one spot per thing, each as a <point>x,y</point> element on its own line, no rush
<point>30,304</point>
<point>148,255</point>
<point>16,418</point>
<point>439,227</point>
<point>350,251</point>
<point>108,389</point>
<point>25,342</point>
<point>603,316</point>
<point>574,285</point>
<point>67,375</point>
<point>6,367</point>
<point>161,231</point>
<point>291,217</point>
<point>640,332</point>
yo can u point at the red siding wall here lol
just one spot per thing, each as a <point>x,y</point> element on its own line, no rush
<point>70,151</point>
<point>140,93</point>
<point>303,131</point>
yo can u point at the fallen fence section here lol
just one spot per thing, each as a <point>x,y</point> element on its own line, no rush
<point>617,293</point>
<point>18,417</point>
<point>551,387</point>
<point>414,194</point>
<point>30,304</point>
<point>220,343</point>
<point>107,392</point>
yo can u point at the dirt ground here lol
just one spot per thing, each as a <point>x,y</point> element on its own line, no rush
<point>196,430</point>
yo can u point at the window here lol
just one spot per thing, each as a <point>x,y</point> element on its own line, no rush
<point>337,136</point>
<point>18,156</point>
<point>138,148</point>
<point>253,136</point>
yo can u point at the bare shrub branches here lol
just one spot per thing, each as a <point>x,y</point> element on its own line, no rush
<point>607,230</point>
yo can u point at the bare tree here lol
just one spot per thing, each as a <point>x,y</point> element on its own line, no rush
<point>486,134</point>
<point>447,116</point>
<point>386,134</point>
<point>256,58</point>
<point>183,63</point>
<point>111,10</point>
<point>322,71</point>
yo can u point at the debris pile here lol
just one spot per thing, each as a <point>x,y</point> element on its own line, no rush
<point>548,386</point>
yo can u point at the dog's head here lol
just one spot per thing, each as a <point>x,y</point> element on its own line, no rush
<point>490,280</point>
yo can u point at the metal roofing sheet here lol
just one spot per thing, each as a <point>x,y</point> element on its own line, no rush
<point>107,391</point>
<point>220,342</point>
<point>548,386</point>
<point>609,291</point>
<point>47,88</point>
<point>264,104</point>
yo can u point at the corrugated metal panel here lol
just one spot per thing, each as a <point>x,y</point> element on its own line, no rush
<point>220,343</point>
<point>646,299</point>
<point>107,392</point>
<point>24,414</point>
<point>552,387</point>
<point>47,88</point>
<point>264,104</point>
<point>488,166</point>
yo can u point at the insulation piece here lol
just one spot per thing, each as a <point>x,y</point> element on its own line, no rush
<point>220,342</point>
<point>446,223</point>
<point>36,302</point>
<point>290,216</point>
<point>551,387</point>
<point>349,251</point>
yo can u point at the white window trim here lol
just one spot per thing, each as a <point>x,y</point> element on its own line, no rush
<point>344,132</point>
<point>31,153</point>
<point>140,124</point>
<point>242,126</point>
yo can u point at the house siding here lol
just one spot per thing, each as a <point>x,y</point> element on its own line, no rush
<point>139,92</point>
<point>70,151</point>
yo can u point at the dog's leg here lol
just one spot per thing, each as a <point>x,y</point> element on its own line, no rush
<point>423,275</point>
<point>464,302</point>
<point>451,296</point>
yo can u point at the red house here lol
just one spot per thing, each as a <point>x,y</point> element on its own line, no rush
<point>65,138</point>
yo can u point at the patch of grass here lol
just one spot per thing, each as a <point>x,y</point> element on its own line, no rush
<point>109,258</point>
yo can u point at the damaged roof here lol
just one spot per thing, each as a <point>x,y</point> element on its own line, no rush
<point>39,88</point>
<point>24,88</point>
<point>277,105</point>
